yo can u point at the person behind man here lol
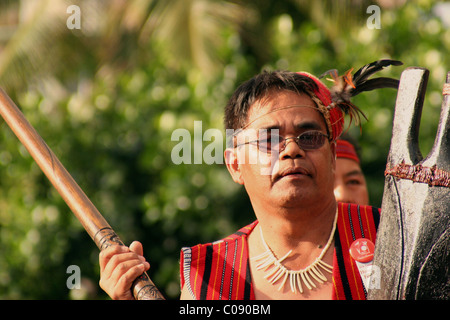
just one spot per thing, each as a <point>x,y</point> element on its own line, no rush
<point>284,154</point>
<point>350,183</point>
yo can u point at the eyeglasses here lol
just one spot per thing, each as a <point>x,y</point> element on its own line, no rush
<point>309,140</point>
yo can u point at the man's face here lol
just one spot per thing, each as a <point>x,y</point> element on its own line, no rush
<point>292,177</point>
<point>350,184</point>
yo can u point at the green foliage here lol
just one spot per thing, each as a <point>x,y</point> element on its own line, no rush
<point>110,112</point>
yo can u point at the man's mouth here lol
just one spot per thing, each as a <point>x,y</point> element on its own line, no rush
<point>293,172</point>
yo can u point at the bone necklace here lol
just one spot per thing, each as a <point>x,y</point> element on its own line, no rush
<point>276,271</point>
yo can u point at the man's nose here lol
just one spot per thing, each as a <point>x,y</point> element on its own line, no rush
<point>292,149</point>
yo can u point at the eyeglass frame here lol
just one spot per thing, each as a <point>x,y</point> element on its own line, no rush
<point>284,141</point>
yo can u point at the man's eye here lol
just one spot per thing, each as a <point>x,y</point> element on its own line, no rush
<point>307,136</point>
<point>310,137</point>
<point>354,182</point>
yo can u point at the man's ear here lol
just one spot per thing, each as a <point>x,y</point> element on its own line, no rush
<point>232,163</point>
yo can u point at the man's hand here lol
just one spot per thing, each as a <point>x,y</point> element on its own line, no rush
<point>119,267</point>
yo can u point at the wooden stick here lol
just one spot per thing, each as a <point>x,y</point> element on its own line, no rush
<point>91,219</point>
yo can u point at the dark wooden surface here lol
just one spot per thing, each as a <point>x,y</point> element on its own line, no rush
<point>413,242</point>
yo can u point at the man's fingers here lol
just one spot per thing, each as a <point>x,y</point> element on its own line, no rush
<point>106,254</point>
<point>124,267</point>
<point>120,273</point>
<point>117,262</point>
<point>137,248</point>
<point>125,280</point>
<point>119,267</point>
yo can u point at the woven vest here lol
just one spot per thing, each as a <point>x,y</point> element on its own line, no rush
<point>221,271</point>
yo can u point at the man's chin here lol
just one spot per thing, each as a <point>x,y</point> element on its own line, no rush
<point>295,198</point>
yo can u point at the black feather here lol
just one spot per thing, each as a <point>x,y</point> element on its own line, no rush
<point>376,83</point>
<point>360,77</point>
<point>369,69</point>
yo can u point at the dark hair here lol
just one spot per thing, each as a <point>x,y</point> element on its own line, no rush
<point>257,88</point>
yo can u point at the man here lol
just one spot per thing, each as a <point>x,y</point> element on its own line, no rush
<point>284,154</point>
<point>350,183</point>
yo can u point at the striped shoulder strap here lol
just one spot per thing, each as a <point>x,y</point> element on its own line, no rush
<point>218,270</point>
<point>354,222</point>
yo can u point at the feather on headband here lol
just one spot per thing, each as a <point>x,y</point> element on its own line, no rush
<point>347,86</point>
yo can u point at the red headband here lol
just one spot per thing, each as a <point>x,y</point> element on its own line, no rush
<point>345,149</point>
<point>334,117</point>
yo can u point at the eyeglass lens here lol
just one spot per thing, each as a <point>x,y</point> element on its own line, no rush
<point>306,141</point>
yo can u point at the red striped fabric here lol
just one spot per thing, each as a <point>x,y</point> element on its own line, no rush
<point>354,222</point>
<point>221,270</point>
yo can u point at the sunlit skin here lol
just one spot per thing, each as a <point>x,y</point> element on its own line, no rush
<point>350,184</point>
